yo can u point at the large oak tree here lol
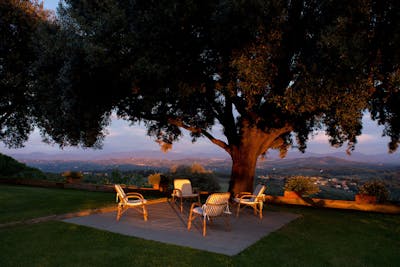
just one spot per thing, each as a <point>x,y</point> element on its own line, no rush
<point>269,72</point>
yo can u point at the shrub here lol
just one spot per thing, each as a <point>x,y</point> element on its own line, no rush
<point>154,179</point>
<point>302,185</point>
<point>73,174</point>
<point>375,188</point>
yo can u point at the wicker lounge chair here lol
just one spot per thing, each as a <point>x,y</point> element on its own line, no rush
<point>130,200</point>
<point>217,205</point>
<point>254,200</point>
<point>183,190</point>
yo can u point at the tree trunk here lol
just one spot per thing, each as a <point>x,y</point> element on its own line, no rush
<point>244,158</point>
<point>243,169</point>
<point>253,142</point>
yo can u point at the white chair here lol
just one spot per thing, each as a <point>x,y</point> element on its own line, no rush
<point>254,200</point>
<point>217,204</point>
<point>183,190</point>
<point>130,200</point>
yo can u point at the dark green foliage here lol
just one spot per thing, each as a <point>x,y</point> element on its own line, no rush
<point>302,185</point>
<point>375,188</point>
<point>18,23</point>
<point>275,63</point>
<point>154,179</point>
<point>73,174</point>
<point>10,168</point>
<point>384,103</point>
<point>129,178</point>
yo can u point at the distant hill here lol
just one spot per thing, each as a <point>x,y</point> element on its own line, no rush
<point>99,155</point>
<point>96,155</point>
<point>310,161</point>
<point>10,168</point>
<point>156,160</point>
<point>384,158</point>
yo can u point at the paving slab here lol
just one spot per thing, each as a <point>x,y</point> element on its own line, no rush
<point>168,225</point>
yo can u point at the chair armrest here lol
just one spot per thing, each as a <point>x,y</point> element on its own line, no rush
<point>238,195</point>
<point>261,198</point>
<point>135,195</point>
<point>247,196</point>
<point>177,192</point>
<point>195,204</point>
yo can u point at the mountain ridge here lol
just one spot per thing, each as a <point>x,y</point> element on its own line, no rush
<point>172,155</point>
<point>217,162</point>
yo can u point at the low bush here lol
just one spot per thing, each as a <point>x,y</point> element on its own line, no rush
<point>375,188</point>
<point>303,185</point>
<point>154,179</point>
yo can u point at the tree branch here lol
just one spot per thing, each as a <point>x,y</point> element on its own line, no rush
<point>226,119</point>
<point>276,141</point>
<point>192,129</point>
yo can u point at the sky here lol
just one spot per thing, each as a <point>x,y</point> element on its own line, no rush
<point>50,4</point>
<point>125,138</point>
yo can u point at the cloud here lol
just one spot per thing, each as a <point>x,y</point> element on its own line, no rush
<point>322,138</point>
<point>319,138</point>
<point>366,138</point>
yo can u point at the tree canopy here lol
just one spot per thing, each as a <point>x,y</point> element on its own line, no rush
<point>270,72</point>
<point>18,23</point>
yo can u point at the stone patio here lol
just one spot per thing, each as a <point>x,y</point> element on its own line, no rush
<point>166,224</point>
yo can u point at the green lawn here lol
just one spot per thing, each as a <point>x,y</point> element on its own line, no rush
<point>20,202</point>
<point>321,237</point>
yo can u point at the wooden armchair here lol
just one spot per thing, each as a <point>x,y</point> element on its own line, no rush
<point>183,190</point>
<point>130,200</point>
<point>254,200</point>
<point>217,205</point>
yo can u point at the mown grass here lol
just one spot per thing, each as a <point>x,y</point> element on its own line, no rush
<point>21,202</point>
<point>62,244</point>
<point>321,237</point>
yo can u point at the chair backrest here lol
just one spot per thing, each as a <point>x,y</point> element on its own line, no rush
<point>120,193</point>
<point>216,204</point>
<point>184,185</point>
<point>258,191</point>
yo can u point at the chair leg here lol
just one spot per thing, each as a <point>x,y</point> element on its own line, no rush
<point>258,208</point>
<point>145,214</point>
<point>204,225</point>
<point>190,220</point>
<point>238,209</point>
<point>119,210</point>
<point>181,204</point>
